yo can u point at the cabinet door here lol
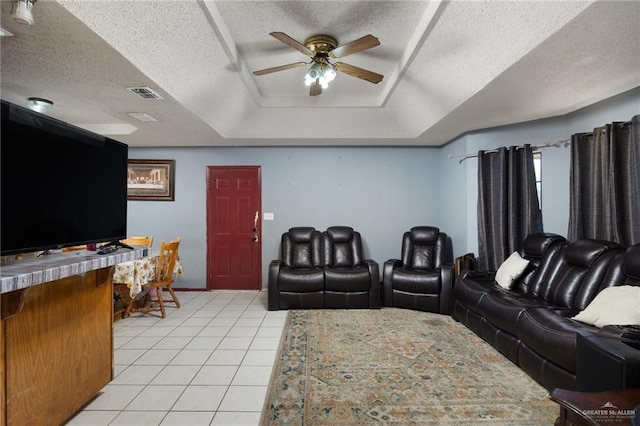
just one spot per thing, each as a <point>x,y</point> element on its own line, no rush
<point>58,348</point>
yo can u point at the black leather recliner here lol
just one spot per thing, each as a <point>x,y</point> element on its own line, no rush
<point>350,281</point>
<point>296,281</point>
<point>423,278</point>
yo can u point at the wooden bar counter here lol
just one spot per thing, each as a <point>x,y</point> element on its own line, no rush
<point>56,334</point>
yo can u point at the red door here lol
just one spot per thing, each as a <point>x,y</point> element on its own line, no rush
<point>234,253</point>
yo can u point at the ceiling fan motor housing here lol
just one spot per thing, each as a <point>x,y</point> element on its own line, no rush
<point>321,43</point>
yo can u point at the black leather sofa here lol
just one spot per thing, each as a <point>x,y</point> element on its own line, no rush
<point>531,323</point>
<point>323,270</point>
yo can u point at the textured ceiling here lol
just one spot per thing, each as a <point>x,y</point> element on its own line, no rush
<point>449,67</point>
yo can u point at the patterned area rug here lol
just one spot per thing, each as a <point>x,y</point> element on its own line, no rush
<point>396,367</point>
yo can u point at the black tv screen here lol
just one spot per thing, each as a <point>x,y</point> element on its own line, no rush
<point>61,185</point>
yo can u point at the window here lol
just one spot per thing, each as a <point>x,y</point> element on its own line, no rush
<point>537,166</point>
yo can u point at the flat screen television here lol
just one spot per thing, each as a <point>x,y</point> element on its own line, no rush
<point>60,185</point>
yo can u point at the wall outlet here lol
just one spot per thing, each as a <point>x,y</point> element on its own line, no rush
<point>269,216</point>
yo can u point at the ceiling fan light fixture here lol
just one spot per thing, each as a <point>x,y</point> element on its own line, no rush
<point>327,76</point>
<point>41,105</point>
<point>314,73</point>
<point>22,11</point>
<point>324,73</point>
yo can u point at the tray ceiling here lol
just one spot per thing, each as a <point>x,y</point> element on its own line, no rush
<point>449,67</point>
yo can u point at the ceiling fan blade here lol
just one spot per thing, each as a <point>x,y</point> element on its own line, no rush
<point>361,73</point>
<point>316,88</point>
<point>280,68</point>
<point>293,43</point>
<point>355,46</point>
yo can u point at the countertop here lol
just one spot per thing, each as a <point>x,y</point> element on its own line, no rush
<point>32,271</point>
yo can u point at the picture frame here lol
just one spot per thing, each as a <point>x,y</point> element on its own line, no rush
<point>150,180</point>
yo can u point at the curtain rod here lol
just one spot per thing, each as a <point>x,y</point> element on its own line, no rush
<point>559,143</point>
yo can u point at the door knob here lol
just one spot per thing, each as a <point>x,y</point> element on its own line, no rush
<point>254,238</point>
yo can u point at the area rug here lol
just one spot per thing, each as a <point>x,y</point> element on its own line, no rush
<point>395,367</point>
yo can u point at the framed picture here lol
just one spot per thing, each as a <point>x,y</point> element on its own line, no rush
<point>150,180</point>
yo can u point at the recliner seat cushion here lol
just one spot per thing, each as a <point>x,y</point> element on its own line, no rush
<point>416,281</point>
<point>347,279</point>
<point>468,291</point>
<point>503,309</point>
<point>301,280</point>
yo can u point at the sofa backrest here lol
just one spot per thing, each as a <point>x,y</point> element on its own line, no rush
<point>342,247</point>
<point>424,248</point>
<point>631,265</point>
<point>302,248</point>
<point>623,270</point>
<point>534,248</point>
<point>575,273</point>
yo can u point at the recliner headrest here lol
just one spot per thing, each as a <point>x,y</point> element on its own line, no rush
<point>301,234</point>
<point>536,245</point>
<point>631,262</point>
<point>424,234</point>
<point>585,252</point>
<point>340,234</point>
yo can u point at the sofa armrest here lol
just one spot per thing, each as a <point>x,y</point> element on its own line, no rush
<point>605,362</point>
<point>387,290</point>
<point>374,273</point>
<point>272,285</point>
<point>446,290</point>
<point>478,275</point>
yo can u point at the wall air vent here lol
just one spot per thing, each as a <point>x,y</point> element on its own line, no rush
<point>145,93</point>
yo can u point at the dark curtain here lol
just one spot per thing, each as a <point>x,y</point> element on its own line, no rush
<point>605,183</point>
<point>508,207</point>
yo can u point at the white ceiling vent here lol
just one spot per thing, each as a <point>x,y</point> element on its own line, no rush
<point>143,116</point>
<point>145,93</point>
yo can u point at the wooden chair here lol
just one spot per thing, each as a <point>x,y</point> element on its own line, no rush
<point>138,241</point>
<point>122,290</point>
<point>165,265</point>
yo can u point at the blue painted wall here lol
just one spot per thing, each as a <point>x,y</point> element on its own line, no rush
<point>379,191</point>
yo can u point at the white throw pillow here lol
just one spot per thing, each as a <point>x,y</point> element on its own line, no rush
<point>510,270</point>
<point>619,305</point>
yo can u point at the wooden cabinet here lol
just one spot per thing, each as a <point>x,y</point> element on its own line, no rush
<point>56,348</point>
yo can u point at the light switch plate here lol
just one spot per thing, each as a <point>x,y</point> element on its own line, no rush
<point>268,216</point>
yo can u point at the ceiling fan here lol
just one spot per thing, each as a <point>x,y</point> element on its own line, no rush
<point>321,48</point>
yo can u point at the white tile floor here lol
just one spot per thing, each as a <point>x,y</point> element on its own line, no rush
<point>207,363</point>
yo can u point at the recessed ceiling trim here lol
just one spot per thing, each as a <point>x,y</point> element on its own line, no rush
<point>5,33</point>
<point>228,44</point>
<point>421,32</point>
<point>320,102</point>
